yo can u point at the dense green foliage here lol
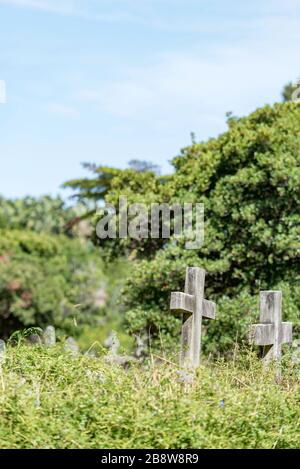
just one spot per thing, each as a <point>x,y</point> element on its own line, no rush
<point>94,189</point>
<point>288,90</point>
<point>248,179</point>
<point>44,214</point>
<point>51,400</point>
<point>46,279</point>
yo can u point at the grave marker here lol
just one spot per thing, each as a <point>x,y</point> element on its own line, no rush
<point>71,346</point>
<point>193,306</point>
<point>271,333</point>
<point>49,336</point>
<point>35,339</point>
<point>112,343</point>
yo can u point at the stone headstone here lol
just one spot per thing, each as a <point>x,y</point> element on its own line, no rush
<point>35,339</point>
<point>112,343</point>
<point>49,336</point>
<point>140,346</point>
<point>71,346</point>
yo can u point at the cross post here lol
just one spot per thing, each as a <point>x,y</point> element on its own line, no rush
<point>192,305</point>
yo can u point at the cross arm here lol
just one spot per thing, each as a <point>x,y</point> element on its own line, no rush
<point>183,303</point>
<point>264,334</point>
<point>209,309</point>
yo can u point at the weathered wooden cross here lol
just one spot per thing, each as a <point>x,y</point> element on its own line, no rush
<point>193,306</point>
<point>271,333</point>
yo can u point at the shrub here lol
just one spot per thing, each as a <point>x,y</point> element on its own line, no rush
<point>248,179</point>
<point>46,279</point>
<point>44,214</point>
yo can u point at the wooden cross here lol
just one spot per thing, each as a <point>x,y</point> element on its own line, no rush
<point>193,307</point>
<point>271,333</point>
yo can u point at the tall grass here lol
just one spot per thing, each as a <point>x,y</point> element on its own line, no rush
<point>49,399</point>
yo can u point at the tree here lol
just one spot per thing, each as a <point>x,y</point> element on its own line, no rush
<point>44,214</point>
<point>288,90</point>
<point>248,179</point>
<point>142,166</point>
<point>44,270</point>
<point>42,279</point>
<point>94,189</point>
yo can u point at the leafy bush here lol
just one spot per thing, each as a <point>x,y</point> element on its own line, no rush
<point>52,400</point>
<point>248,179</point>
<point>46,279</point>
<point>44,214</point>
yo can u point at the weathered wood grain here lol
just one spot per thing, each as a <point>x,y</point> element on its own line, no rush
<point>193,307</point>
<point>186,354</point>
<point>195,282</point>
<point>182,302</point>
<point>271,333</point>
<point>264,334</point>
<point>209,309</point>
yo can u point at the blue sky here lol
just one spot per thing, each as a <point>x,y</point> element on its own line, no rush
<point>107,81</point>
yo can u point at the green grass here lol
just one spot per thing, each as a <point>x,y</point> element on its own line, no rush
<point>50,400</point>
<point>99,334</point>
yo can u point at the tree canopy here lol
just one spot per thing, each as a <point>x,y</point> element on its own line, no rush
<point>46,276</point>
<point>248,179</point>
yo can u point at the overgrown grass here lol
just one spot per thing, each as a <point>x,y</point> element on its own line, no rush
<point>50,400</point>
<point>99,334</point>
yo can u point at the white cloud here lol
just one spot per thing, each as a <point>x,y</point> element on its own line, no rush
<point>191,84</point>
<point>195,85</point>
<point>194,89</point>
